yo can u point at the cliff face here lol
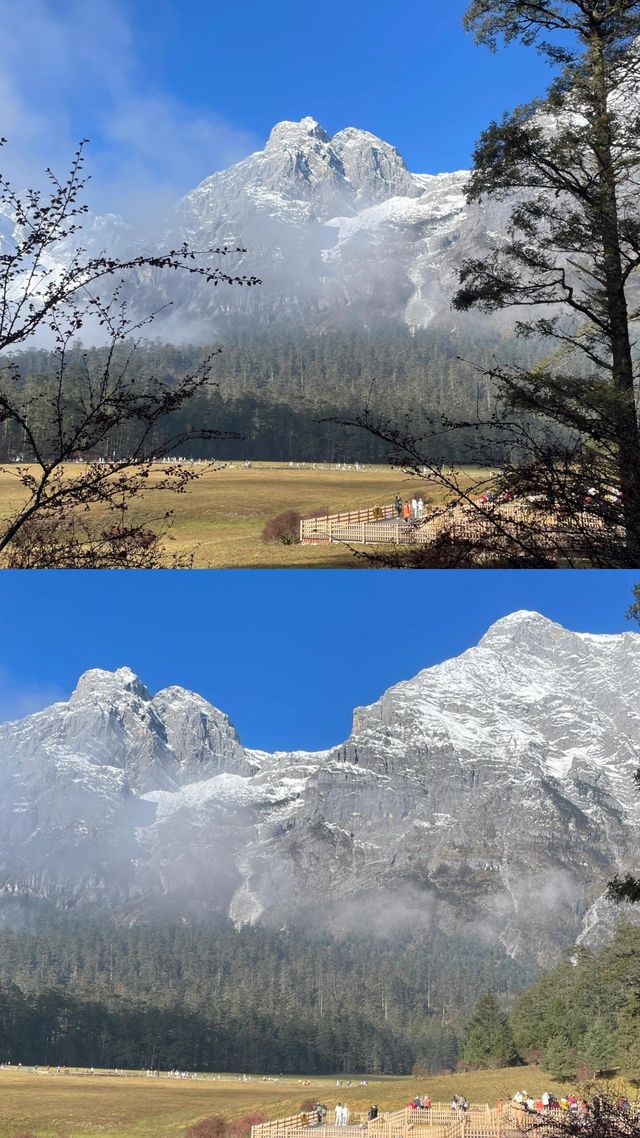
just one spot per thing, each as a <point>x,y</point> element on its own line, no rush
<point>491,795</point>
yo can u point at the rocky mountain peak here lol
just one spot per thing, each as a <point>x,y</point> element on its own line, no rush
<point>337,228</point>
<point>287,132</point>
<point>522,626</point>
<point>528,636</point>
<point>522,618</point>
<point>99,681</point>
<point>376,169</point>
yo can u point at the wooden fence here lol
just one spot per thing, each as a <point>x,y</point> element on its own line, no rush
<point>439,1121</point>
<point>330,527</point>
<point>281,1127</point>
<point>380,525</point>
<point>506,1120</point>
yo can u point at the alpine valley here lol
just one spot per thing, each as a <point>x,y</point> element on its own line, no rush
<point>489,798</point>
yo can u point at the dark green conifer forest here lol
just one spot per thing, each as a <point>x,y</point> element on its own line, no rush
<point>263,1000</point>
<point>279,391</point>
<point>249,999</point>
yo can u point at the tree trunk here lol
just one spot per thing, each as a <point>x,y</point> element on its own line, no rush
<point>616,305</point>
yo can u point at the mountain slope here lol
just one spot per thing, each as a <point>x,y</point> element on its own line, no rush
<point>338,229</point>
<point>491,795</point>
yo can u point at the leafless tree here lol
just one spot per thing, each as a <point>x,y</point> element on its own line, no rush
<point>73,493</point>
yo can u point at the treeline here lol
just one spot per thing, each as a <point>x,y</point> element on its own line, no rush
<point>250,999</point>
<point>280,392</point>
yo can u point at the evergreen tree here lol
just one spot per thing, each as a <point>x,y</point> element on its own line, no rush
<point>628,1038</point>
<point>436,1047</point>
<point>597,1049</point>
<point>573,248</point>
<point>488,1039</point>
<point>225,999</point>
<point>558,1059</point>
<point>586,1011</point>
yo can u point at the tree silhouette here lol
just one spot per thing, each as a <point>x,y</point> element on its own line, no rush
<point>564,431</point>
<point>68,470</point>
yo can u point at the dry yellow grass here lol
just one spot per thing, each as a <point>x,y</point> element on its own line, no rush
<point>133,1106</point>
<point>220,516</point>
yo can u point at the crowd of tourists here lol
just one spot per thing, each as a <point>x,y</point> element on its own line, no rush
<point>571,1104</point>
<point>582,1109</point>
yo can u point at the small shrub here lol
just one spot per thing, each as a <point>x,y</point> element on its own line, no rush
<point>284,528</point>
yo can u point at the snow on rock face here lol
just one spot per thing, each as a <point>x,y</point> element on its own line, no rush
<point>496,788</point>
<point>338,229</point>
<point>72,779</point>
<point>112,720</point>
<point>295,133</point>
<point>201,737</point>
<point>376,169</point>
<point>400,235</point>
<point>301,161</point>
<point>97,682</point>
<point>289,205</point>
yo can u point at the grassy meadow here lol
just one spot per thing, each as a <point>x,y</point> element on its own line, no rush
<point>220,516</point>
<point>79,1105</point>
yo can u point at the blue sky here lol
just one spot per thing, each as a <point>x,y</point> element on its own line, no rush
<point>168,92</point>
<point>287,654</point>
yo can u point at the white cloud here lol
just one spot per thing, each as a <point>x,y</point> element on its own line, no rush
<point>69,70</point>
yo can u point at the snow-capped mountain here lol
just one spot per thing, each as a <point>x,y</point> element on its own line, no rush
<point>491,795</point>
<point>338,229</point>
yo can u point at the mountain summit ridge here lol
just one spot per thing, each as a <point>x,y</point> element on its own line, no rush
<point>502,775</point>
